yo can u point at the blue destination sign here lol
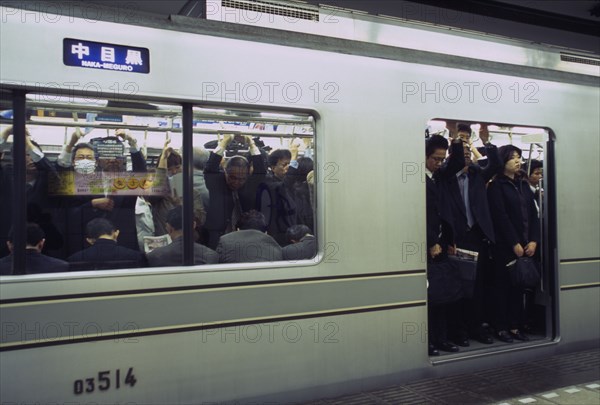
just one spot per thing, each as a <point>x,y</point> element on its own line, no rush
<point>97,55</point>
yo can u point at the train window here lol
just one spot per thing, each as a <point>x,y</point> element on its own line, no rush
<point>258,171</point>
<point>96,186</point>
<point>486,206</point>
<point>105,189</point>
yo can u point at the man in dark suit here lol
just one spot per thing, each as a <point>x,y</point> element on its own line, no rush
<point>35,261</point>
<point>439,234</point>
<point>302,245</point>
<point>466,209</point>
<point>172,254</point>
<point>41,208</point>
<point>249,243</point>
<point>233,191</point>
<point>104,253</point>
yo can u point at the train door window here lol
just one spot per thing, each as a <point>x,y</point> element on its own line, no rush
<point>257,187</point>
<point>482,213</point>
<point>98,189</point>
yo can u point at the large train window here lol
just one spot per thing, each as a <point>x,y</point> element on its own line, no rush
<point>94,176</point>
<point>104,186</point>
<point>487,206</point>
<point>257,187</point>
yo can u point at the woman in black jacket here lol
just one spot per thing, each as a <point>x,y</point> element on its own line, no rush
<point>517,233</point>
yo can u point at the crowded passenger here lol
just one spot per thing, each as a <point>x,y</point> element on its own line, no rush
<point>517,233</point>
<point>536,171</point>
<point>302,244</point>
<point>444,284</point>
<point>41,208</point>
<point>280,210</point>
<point>297,185</point>
<point>35,261</point>
<point>466,209</point>
<point>250,242</point>
<point>104,253</point>
<point>232,191</point>
<point>80,209</point>
<point>172,254</point>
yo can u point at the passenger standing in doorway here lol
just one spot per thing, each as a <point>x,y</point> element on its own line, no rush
<point>466,209</point>
<point>517,234</point>
<point>439,236</point>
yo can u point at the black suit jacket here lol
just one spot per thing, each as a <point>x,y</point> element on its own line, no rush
<point>439,230</point>
<point>514,215</point>
<point>221,199</point>
<point>105,254</point>
<point>35,263</point>
<point>454,207</point>
<point>41,208</point>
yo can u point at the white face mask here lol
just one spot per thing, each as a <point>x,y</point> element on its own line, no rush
<point>85,166</point>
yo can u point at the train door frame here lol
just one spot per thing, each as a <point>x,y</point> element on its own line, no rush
<point>549,259</point>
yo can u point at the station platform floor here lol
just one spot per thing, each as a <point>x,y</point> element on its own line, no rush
<point>564,379</point>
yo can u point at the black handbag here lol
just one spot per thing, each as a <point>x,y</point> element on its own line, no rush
<point>467,270</point>
<point>444,282</point>
<point>524,272</point>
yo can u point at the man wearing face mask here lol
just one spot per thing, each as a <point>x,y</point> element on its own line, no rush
<point>80,209</point>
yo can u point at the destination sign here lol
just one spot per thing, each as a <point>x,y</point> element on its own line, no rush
<point>97,55</point>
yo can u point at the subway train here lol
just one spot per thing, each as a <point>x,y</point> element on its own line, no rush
<point>361,93</point>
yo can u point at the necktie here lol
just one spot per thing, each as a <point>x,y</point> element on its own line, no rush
<point>463,182</point>
<point>236,213</point>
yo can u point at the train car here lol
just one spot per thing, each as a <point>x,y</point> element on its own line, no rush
<point>358,94</point>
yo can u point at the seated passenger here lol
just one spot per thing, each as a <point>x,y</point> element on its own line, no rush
<point>172,254</point>
<point>249,243</point>
<point>232,191</point>
<point>104,253</point>
<point>303,245</point>
<point>35,261</point>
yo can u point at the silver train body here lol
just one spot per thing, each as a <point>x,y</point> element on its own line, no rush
<point>355,317</point>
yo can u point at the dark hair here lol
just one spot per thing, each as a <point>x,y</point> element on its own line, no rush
<point>33,234</point>
<point>82,145</point>
<point>296,232</point>
<point>305,166</point>
<point>175,217</point>
<point>98,227</point>
<point>277,155</point>
<point>535,164</point>
<point>237,161</point>
<point>462,127</point>
<point>434,143</point>
<point>505,153</point>
<point>252,220</point>
<point>174,159</point>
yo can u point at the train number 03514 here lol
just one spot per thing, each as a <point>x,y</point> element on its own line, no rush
<point>104,381</point>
